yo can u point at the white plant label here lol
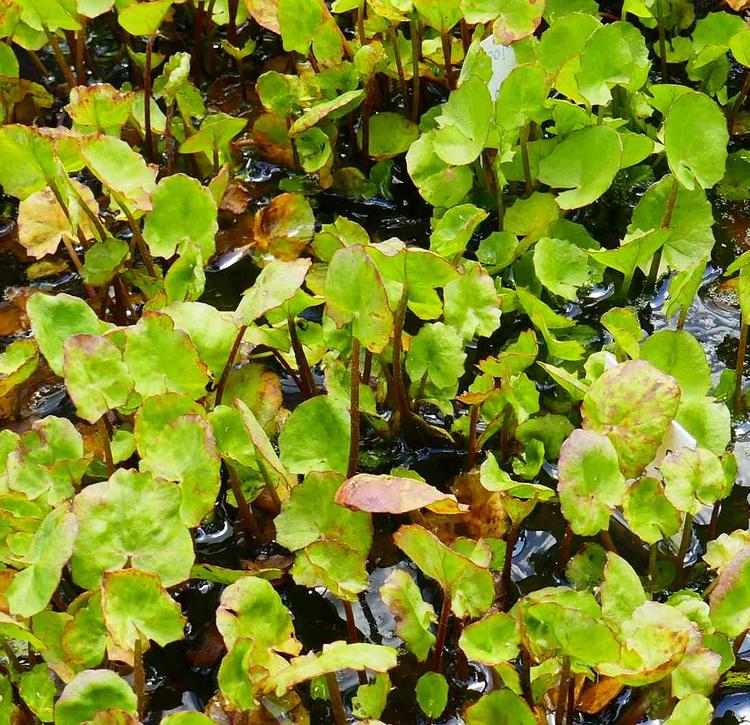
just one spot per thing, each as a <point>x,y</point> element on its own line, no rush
<point>503,62</point>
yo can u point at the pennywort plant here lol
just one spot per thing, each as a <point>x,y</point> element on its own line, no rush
<point>505,336</point>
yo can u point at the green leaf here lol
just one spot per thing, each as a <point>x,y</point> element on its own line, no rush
<point>615,54</point>
<point>690,236</point>
<point>472,306</point>
<point>251,608</point>
<point>355,294</point>
<point>694,709</point>
<point>50,460</point>
<point>632,405</point>
<point>439,183</point>
<point>621,591</point>
<point>624,327</point>
<point>454,229</point>
<point>55,318</point>
<point>437,352</point>
<point>310,514</point>
<point>183,212</point>
<point>370,700</point>
<point>655,638</point>
<point>211,331</point>
<point>693,478</point>
<point>28,161</point>
<point>144,18</point>
<point>679,354</point>
<point>299,21</point>
<point>590,484</point>
<point>649,513</point>
<point>151,347</point>
<point>17,363</point>
<point>215,134</point>
<point>38,690</point>
<point>104,260</point>
<point>303,453</point>
<point>695,140</point>
<point>99,108</point>
<point>469,585</point>
<point>235,680</point>
<point>333,565</point>
<point>334,108</point>
<point>120,169</point>
<point>285,226</point>
<point>414,616</point>
<point>335,656</point>
<point>501,707</point>
<point>313,149</point>
<point>117,524</point>
<point>391,134</point>
<point>52,545</point>
<point>569,165</point>
<point>517,19</point>
<point>561,266</point>
<point>276,284</point>
<point>91,692</point>
<point>432,694</point>
<point>463,124</point>
<point>492,640</point>
<point>96,377</point>
<point>135,604</point>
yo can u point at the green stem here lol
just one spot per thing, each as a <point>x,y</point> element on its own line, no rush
<point>354,409</point>
<point>149,138</point>
<point>653,552</point>
<point>506,580</point>
<point>662,40</point>
<point>361,22</point>
<point>228,365</point>
<point>472,445</point>
<point>525,159</point>
<point>402,399</point>
<point>139,676</point>
<point>738,103</point>
<point>687,533</point>
<point>562,691</point>
<point>81,52</point>
<point>101,429</point>
<point>416,47</point>
<point>62,61</point>
<point>399,64</point>
<point>309,388</point>
<point>442,632</point>
<point>445,41</point>
<point>739,368</point>
<point>337,704</point>
<point>666,221</point>
<point>243,507</point>
<point>136,230</point>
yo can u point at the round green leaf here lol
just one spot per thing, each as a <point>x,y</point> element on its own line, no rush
<point>135,604</point>
<point>183,212</point>
<point>96,377</point>
<point>432,694</point>
<point>501,707</point>
<point>91,692</point>
<point>390,135</point>
<point>302,452</point>
<point>590,483</point>
<point>571,165</point>
<point>131,517</point>
<point>695,139</point>
<point>439,183</point>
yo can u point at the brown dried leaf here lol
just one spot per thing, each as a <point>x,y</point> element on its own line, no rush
<point>597,696</point>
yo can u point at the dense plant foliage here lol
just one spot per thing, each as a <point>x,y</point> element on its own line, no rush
<point>560,163</point>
